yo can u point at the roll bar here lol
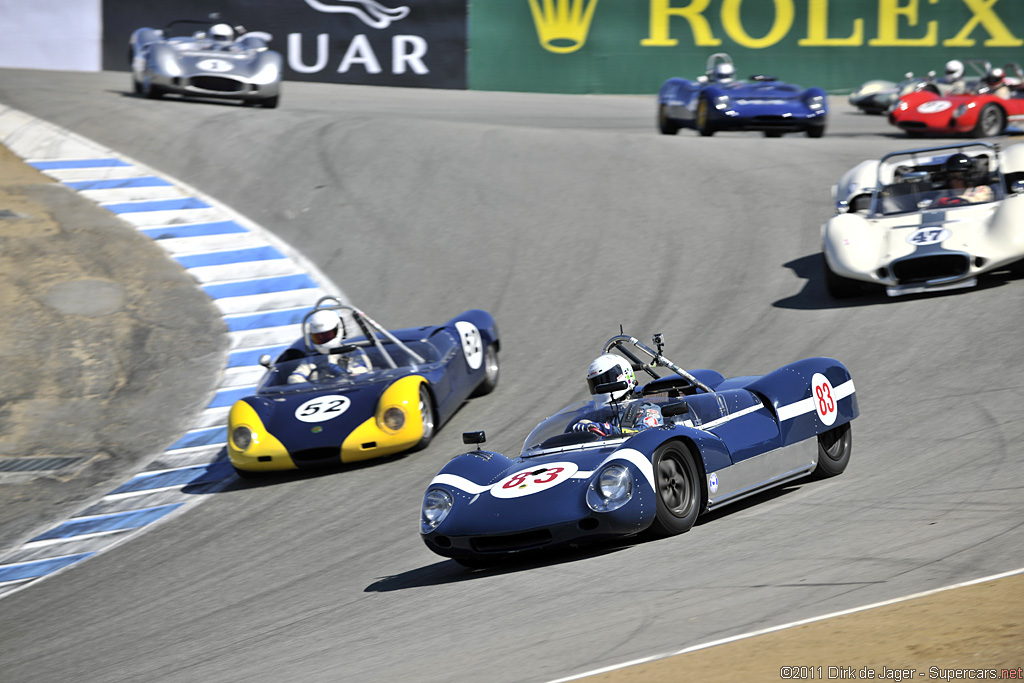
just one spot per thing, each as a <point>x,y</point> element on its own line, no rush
<point>619,342</point>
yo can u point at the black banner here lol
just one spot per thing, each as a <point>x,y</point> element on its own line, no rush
<point>414,43</point>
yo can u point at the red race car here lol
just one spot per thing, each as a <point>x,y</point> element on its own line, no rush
<point>984,109</point>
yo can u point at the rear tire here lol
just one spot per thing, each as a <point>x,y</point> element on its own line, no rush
<point>991,121</point>
<point>665,124</point>
<point>834,448</point>
<point>678,495</point>
<point>491,371</point>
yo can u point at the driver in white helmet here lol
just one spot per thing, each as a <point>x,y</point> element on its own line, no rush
<point>327,332</point>
<point>724,72</point>
<point>617,412</point>
<point>221,35</point>
<point>954,78</point>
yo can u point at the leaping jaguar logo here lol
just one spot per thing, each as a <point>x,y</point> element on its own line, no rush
<point>371,12</point>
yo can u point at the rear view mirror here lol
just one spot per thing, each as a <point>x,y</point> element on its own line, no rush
<point>474,438</point>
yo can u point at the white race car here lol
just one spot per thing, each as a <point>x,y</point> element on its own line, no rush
<point>925,220</point>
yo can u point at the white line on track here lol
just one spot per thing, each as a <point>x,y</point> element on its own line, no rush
<point>792,624</point>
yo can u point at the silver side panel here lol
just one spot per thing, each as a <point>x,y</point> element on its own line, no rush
<point>763,471</point>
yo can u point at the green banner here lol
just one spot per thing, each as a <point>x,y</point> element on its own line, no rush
<point>632,46</point>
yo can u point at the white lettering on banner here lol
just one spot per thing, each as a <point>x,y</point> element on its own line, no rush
<point>414,58</point>
<point>359,52</point>
<point>295,54</point>
<point>407,53</point>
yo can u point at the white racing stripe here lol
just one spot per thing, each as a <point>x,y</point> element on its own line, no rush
<point>807,405</point>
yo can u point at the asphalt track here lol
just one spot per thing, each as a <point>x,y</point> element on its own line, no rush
<point>565,217</point>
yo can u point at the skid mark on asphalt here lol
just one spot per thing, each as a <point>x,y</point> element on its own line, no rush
<point>260,285</point>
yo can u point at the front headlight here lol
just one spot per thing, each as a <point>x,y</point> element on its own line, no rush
<point>611,489</point>
<point>393,419</point>
<point>437,503</point>
<point>241,437</point>
<point>816,102</point>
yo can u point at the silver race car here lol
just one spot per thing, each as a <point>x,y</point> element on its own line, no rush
<point>196,59</point>
<point>925,220</point>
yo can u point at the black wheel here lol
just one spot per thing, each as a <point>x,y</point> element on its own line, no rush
<point>991,121</point>
<point>834,448</point>
<point>270,102</point>
<point>150,90</point>
<point>427,411</point>
<point>816,131</point>
<point>677,479</point>
<point>839,287</point>
<point>490,373</point>
<point>665,124</point>
<point>704,125</point>
<point>773,133</point>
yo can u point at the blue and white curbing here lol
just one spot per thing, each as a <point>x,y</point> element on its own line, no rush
<point>260,285</point>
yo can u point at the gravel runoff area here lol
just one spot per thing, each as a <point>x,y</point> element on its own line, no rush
<point>110,347</point>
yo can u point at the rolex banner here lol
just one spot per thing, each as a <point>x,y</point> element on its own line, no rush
<point>632,46</point>
<point>419,43</point>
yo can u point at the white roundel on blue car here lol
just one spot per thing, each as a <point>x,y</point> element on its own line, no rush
<point>322,408</point>
<point>534,479</point>
<point>713,482</point>
<point>214,65</point>
<point>472,343</point>
<point>824,397</point>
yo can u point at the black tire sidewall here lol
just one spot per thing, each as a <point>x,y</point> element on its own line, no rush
<point>829,466</point>
<point>667,523</point>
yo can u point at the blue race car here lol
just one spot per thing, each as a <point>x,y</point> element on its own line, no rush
<point>717,101</point>
<point>642,458</point>
<point>350,390</point>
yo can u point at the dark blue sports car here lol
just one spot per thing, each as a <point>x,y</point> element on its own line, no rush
<point>717,101</point>
<point>359,391</point>
<point>652,458</point>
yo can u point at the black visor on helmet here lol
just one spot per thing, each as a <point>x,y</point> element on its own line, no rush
<point>608,376</point>
<point>325,336</point>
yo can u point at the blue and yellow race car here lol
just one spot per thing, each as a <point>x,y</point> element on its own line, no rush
<point>350,390</point>
<point>641,458</point>
<point>717,101</point>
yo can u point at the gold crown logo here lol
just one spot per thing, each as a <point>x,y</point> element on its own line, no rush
<point>562,25</point>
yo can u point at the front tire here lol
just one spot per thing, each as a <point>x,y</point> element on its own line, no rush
<point>150,90</point>
<point>270,102</point>
<point>991,121</point>
<point>491,371</point>
<point>703,121</point>
<point>839,287</point>
<point>816,131</point>
<point>678,495</point>
<point>665,124</point>
<point>428,416</point>
<point>834,447</point>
